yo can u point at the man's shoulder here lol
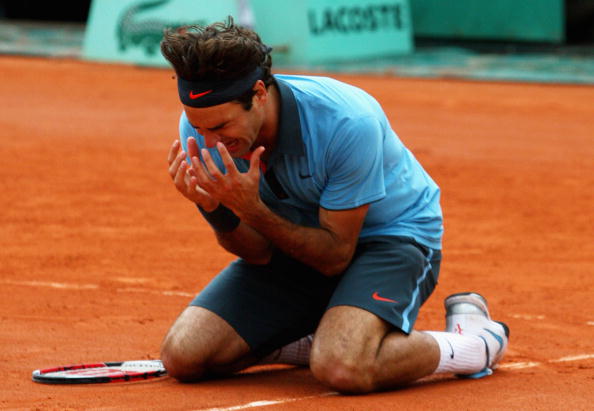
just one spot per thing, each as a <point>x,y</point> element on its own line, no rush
<point>323,95</point>
<point>306,83</point>
<point>328,108</point>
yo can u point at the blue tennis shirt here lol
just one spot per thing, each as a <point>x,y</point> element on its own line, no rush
<point>337,150</point>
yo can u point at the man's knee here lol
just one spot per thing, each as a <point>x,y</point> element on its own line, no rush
<point>182,350</point>
<point>345,348</point>
<point>179,363</point>
<point>201,342</point>
<point>342,372</point>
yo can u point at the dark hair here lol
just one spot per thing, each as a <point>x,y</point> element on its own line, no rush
<point>220,51</point>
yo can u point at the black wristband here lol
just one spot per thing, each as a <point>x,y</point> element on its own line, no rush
<point>221,219</point>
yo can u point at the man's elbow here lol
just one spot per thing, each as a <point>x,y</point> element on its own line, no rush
<point>332,271</point>
<point>335,266</point>
<point>258,259</point>
<point>256,256</point>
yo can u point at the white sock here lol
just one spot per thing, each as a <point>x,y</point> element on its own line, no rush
<point>460,354</point>
<point>295,353</point>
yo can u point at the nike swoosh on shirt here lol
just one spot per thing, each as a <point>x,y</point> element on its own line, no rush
<point>198,95</point>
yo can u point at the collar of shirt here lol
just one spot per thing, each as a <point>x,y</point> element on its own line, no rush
<point>289,137</point>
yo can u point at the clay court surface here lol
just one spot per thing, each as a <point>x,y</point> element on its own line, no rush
<point>99,253</point>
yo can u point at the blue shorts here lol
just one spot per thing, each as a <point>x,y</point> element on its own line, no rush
<point>274,304</point>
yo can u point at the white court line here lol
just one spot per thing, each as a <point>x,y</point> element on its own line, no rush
<point>528,316</point>
<point>590,322</point>
<point>72,286</point>
<point>65,286</point>
<point>574,358</point>
<point>178,293</point>
<point>265,403</point>
<point>519,365</point>
<point>144,290</point>
<point>530,364</point>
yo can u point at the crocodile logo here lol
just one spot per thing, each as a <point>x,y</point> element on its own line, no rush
<point>146,33</point>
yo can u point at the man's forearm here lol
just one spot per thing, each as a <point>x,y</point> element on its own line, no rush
<point>317,247</point>
<point>237,238</point>
<point>247,243</point>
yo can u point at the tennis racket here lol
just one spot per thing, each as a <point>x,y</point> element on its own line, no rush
<point>101,372</point>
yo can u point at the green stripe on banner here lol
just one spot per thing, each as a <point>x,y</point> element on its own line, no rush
<point>526,20</point>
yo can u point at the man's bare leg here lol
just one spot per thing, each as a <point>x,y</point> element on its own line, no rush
<point>201,343</point>
<point>355,351</point>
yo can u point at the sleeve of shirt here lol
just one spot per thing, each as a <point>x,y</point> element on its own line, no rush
<point>355,165</point>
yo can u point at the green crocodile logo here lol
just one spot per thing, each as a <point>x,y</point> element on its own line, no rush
<point>134,31</point>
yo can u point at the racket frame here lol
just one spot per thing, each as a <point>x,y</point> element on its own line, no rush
<point>43,375</point>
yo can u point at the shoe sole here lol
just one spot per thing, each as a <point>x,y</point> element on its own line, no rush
<point>467,298</point>
<point>474,299</point>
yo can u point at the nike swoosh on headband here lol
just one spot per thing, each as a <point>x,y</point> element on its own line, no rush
<point>198,95</point>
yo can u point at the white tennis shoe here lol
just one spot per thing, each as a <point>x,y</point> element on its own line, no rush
<point>468,314</point>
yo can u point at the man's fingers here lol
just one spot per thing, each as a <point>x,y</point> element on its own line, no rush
<point>192,170</point>
<point>196,163</point>
<point>211,167</point>
<point>180,175</point>
<point>173,151</point>
<point>174,165</point>
<point>255,161</point>
<point>192,147</point>
<point>187,176</point>
<point>200,172</point>
<point>227,159</point>
<point>195,187</point>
